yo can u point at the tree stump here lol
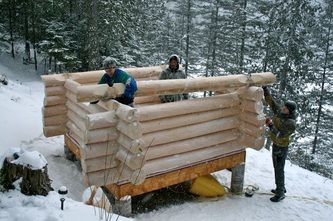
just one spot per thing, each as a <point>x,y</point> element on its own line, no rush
<point>34,181</point>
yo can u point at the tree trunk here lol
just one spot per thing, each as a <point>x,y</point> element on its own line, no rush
<point>322,89</point>
<point>11,25</point>
<point>188,24</point>
<point>243,36</point>
<point>34,182</point>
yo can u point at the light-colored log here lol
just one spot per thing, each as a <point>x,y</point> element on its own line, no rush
<point>190,131</point>
<point>75,131</point>
<point>175,86</point>
<point>253,142</point>
<point>102,177</point>
<point>95,76</point>
<point>79,121</point>
<point>146,72</point>
<point>132,130</point>
<point>99,92</point>
<point>54,100</point>
<point>56,120</point>
<point>186,119</point>
<point>252,106</point>
<point>147,99</point>
<point>252,118</point>
<point>109,104</point>
<point>57,90</point>
<point>252,130</point>
<point>145,104</point>
<point>95,150</point>
<point>72,85</point>
<point>226,91</point>
<point>187,106</point>
<point>133,161</point>
<point>51,131</point>
<point>90,108</point>
<point>134,146</point>
<point>80,77</point>
<point>187,159</point>
<point>100,163</point>
<point>77,138</point>
<point>147,78</point>
<point>101,120</point>
<point>74,107</point>
<point>136,177</point>
<point>54,110</point>
<point>71,96</point>
<point>127,113</point>
<point>100,135</point>
<point>251,93</point>
<point>191,144</point>
<point>54,80</point>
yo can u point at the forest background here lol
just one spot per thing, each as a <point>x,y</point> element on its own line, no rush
<point>291,38</point>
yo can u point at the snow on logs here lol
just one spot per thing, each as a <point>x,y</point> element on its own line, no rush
<point>120,144</point>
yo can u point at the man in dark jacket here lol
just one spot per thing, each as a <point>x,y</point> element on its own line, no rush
<point>281,127</point>
<point>115,75</point>
<point>173,72</point>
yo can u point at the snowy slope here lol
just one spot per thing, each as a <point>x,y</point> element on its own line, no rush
<point>309,196</point>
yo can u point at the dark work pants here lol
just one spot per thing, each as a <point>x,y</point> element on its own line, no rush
<point>279,156</point>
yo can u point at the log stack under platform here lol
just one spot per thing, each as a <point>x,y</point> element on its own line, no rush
<point>134,150</point>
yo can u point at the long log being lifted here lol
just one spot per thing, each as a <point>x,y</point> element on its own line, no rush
<point>94,76</point>
<point>175,86</point>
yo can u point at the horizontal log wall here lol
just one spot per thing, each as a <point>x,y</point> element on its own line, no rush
<point>161,138</point>
<point>251,117</point>
<point>120,144</point>
<point>55,93</point>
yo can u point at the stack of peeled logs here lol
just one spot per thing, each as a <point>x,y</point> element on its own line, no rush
<point>120,144</point>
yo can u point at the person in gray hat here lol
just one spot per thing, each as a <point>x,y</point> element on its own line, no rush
<point>173,72</point>
<point>281,127</point>
<point>115,75</point>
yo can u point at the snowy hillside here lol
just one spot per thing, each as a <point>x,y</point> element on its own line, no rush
<point>309,196</point>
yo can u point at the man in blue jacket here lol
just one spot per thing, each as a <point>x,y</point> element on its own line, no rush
<point>115,75</point>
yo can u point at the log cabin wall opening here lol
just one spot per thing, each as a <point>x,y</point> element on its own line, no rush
<point>151,146</point>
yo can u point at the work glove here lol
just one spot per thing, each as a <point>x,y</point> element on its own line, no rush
<point>269,122</point>
<point>266,91</point>
<point>94,102</point>
<point>125,99</point>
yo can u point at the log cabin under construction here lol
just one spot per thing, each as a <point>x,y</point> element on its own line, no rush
<point>134,150</point>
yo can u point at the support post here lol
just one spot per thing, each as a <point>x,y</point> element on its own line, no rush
<point>122,206</point>
<point>237,178</point>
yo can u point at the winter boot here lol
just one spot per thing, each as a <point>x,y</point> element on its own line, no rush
<point>277,198</point>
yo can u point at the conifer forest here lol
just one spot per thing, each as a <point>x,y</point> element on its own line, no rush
<point>291,38</point>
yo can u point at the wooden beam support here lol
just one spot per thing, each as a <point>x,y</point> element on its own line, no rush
<point>178,176</point>
<point>72,146</point>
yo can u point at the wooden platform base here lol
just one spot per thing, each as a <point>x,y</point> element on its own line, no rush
<point>171,178</point>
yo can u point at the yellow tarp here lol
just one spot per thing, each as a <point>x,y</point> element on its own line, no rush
<point>207,186</point>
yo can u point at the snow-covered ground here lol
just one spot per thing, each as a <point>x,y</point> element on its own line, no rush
<point>309,196</point>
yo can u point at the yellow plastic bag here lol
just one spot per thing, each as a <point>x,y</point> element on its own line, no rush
<point>207,186</point>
